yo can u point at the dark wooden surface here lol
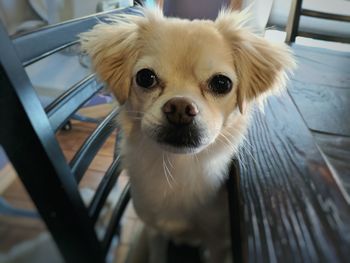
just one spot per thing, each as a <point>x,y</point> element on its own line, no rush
<point>337,152</point>
<point>295,168</point>
<point>293,209</point>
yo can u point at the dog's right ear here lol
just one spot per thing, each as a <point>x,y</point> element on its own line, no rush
<point>113,49</point>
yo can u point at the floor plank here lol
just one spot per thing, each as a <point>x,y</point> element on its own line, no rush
<point>293,208</point>
<point>14,230</point>
<point>7,176</point>
<point>337,152</point>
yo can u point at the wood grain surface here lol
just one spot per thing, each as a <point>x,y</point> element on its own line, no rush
<point>293,208</point>
<point>336,150</point>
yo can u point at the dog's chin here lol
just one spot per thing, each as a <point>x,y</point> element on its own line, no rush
<point>179,140</point>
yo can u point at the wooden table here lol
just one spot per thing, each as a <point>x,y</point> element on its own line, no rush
<point>294,170</point>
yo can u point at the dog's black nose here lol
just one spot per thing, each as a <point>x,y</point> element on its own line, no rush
<point>180,111</point>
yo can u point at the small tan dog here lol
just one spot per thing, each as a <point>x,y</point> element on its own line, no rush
<point>186,90</point>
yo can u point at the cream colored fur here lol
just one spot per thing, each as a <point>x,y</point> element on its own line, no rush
<point>179,193</point>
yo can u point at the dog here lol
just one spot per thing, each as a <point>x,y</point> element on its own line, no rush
<point>186,89</point>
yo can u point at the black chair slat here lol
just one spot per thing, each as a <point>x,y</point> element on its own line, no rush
<point>116,216</point>
<point>104,189</point>
<point>43,42</point>
<point>92,144</point>
<point>33,150</point>
<point>324,37</point>
<point>329,16</point>
<point>67,104</point>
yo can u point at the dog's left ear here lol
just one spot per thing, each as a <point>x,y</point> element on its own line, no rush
<point>261,66</point>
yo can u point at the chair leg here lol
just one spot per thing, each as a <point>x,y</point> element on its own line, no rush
<point>293,21</point>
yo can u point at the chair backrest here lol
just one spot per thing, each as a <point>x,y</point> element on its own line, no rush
<point>14,13</point>
<point>297,11</point>
<point>27,135</point>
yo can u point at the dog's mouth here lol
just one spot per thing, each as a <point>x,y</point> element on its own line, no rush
<point>180,138</point>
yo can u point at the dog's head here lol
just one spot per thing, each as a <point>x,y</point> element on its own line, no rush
<point>181,82</point>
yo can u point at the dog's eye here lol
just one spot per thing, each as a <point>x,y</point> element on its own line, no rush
<point>220,84</point>
<point>146,78</point>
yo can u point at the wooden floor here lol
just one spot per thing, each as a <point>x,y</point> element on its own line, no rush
<point>16,229</point>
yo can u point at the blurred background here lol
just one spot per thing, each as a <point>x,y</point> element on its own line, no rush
<point>25,15</point>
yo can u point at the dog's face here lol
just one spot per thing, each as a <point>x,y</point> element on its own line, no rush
<point>182,82</point>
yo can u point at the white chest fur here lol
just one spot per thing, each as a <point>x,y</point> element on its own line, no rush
<point>170,191</point>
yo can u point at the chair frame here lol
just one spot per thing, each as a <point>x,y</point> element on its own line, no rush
<point>296,11</point>
<point>28,138</point>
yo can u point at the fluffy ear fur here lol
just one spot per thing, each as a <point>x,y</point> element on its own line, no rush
<point>261,66</point>
<point>113,48</point>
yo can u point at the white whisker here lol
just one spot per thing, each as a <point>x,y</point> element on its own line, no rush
<point>169,173</point>
<point>165,173</point>
<point>246,146</point>
<point>172,166</point>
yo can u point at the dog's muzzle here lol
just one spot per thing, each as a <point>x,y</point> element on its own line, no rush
<point>181,129</point>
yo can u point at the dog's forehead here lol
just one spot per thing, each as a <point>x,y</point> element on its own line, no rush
<point>186,36</point>
<point>187,46</point>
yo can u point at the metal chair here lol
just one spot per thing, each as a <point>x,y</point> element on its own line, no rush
<point>27,135</point>
<point>297,11</point>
